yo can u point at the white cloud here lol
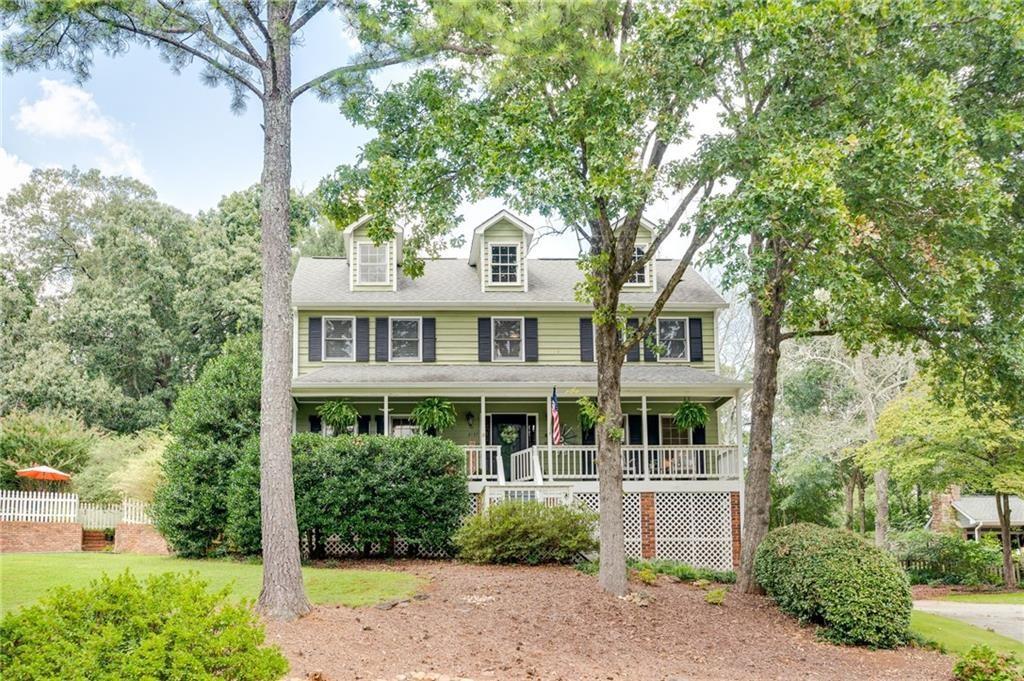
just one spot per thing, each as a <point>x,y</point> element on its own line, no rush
<point>68,112</point>
<point>13,172</point>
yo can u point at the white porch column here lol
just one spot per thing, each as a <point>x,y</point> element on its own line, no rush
<point>483,422</point>
<point>645,464</point>
<point>387,417</point>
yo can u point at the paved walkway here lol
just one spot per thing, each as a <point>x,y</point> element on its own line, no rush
<point>1003,618</point>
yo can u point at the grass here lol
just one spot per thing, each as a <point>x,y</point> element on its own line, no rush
<point>1012,597</point>
<point>25,577</point>
<point>957,637</point>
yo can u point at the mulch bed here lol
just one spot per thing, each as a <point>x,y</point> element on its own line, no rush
<point>927,592</point>
<point>484,622</point>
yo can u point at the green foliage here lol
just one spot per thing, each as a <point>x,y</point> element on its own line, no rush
<point>645,575</point>
<point>945,558</point>
<point>340,415</point>
<point>434,415</point>
<point>690,415</point>
<point>368,490</point>
<point>527,532</point>
<point>168,627</point>
<point>49,438</point>
<point>684,572</point>
<point>715,596</point>
<point>211,422</point>
<point>981,663</point>
<point>836,579</point>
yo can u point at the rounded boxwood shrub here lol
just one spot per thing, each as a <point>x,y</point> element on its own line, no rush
<point>527,532</point>
<point>836,579</point>
<point>168,627</point>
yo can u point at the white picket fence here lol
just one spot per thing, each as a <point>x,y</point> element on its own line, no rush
<point>56,507</point>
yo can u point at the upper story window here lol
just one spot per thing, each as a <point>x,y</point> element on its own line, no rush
<point>406,339</point>
<point>507,338</point>
<point>672,338</point>
<point>504,263</point>
<point>640,276</point>
<point>339,338</point>
<point>373,263</point>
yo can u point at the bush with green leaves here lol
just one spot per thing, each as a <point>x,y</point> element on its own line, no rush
<point>47,437</point>
<point>836,579</point>
<point>527,532</point>
<point>683,571</point>
<point>981,663</point>
<point>210,424</point>
<point>168,627</point>
<point>933,557</point>
<point>368,490</point>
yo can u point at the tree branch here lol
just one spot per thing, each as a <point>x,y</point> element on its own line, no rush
<point>308,14</point>
<point>351,68</point>
<point>240,34</point>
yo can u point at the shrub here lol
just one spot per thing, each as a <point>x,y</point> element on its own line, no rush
<point>835,578</point>
<point>527,532</point>
<point>715,597</point>
<point>685,572</point>
<point>932,557</point>
<point>369,490</point>
<point>981,663</point>
<point>169,627</point>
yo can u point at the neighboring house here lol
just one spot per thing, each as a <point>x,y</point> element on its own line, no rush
<point>974,515</point>
<point>495,334</point>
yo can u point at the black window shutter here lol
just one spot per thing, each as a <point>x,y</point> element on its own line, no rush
<point>530,333</point>
<point>363,426</point>
<point>379,421</point>
<point>586,341</point>
<point>700,436</point>
<point>316,339</point>
<point>314,423</point>
<point>696,340</point>
<point>382,335</point>
<point>483,338</point>
<point>653,432</point>
<point>649,340</point>
<point>429,350</point>
<point>633,354</point>
<point>636,429</point>
<point>362,339</point>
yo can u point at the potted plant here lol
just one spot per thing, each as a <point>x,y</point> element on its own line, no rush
<point>434,415</point>
<point>689,415</point>
<point>339,415</point>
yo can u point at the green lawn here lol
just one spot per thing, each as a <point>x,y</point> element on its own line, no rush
<point>25,577</point>
<point>1015,597</point>
<point>957,637</point>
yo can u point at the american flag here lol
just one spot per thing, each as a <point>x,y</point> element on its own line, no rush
<point>556,426</point>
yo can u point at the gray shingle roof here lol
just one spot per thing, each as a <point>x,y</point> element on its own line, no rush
<point>323,282</point>
<point>650,374</point>
<point>982,507</point>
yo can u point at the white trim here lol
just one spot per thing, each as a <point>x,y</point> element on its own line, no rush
<point>532,389</point>
<point>538,306</point>
<point>359,263</point>
<point>522,340</point>
<point>323,340</point>
<point>518,245</point>
<point>391,337</point>
<point>714,320</point>
<point>686,340</point>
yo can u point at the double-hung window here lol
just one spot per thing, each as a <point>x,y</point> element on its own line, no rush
<point>403,426</point>
<point>672,434</point>
<point>406,339</point>
<point>507,339</point>
<point>672,337</point>
<point>640,276</point>
<point>373,263</point>
<point>504,264</point>
<point>339,338</point>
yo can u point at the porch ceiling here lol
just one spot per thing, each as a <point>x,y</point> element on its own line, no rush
<point>510,379</point>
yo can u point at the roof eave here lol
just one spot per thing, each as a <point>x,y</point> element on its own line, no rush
<point>484,304</point>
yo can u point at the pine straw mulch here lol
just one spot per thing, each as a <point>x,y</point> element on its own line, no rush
<point>485,622</point>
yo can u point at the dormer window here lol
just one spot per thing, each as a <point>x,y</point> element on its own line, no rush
<point>640,276</point>
<point>504,263</point>
<point>373,263</point>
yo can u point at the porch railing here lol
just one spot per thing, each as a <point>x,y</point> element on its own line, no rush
<point>484,463</point>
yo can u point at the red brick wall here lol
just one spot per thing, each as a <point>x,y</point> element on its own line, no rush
<point>647,524</point>
<point>139,539</point>
<point>734,504</point>
<point>23,537</point>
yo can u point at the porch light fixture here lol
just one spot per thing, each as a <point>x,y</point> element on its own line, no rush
<point>470,418</point>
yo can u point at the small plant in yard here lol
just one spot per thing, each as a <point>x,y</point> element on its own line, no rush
<point>645,575</point>
<point>168,627</point>
<point>981,663</point>
<point>684,572</point>
<point>715,596</point>
<point>527,532</point>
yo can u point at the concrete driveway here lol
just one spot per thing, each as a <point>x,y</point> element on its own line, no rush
<point>1003,618</point>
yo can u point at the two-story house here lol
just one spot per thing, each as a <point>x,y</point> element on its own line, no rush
<point>497,334</point>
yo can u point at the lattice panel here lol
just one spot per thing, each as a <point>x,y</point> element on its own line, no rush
<point>694,527</point>
<point>630,518</point>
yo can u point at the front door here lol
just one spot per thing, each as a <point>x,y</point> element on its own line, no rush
<point>513,432</point>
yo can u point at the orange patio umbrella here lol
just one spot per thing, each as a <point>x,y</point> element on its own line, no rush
<point>43,473</point>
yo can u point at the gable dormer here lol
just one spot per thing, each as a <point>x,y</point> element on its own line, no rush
<point>498,251</point>
<point>644,280</point>
<point>372,267</point>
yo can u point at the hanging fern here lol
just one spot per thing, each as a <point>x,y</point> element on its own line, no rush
<point>434,415</point>
<point>690,415</point>
<point>340,415</point>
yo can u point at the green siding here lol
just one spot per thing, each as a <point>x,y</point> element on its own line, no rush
<point>361,234</point>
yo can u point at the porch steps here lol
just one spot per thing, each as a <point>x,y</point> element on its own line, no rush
<point>94,540</point>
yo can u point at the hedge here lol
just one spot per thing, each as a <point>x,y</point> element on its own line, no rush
<point>934,557</point>
<point>527,532</point>
<point>368,490</point>
<point>836,579</point>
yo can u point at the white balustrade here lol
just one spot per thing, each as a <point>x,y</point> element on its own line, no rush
<point>483,463</point>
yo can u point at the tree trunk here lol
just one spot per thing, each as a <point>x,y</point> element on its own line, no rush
<point>612,571</point>
<point>757,497</point>
<point>1003,510</point>
<point>881,507</point>
<point>862,519</point>
<point>283,596</point>
<point>848,503</point>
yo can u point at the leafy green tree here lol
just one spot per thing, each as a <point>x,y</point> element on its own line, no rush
<point>47,438</point>
<point>936,444</point>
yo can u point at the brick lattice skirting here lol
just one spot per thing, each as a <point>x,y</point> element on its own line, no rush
<point>647,520</point>
<point>734,504</point>
<point>142,539</point>
<point>25,537</point>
